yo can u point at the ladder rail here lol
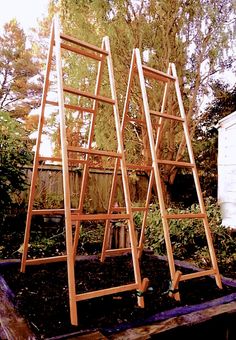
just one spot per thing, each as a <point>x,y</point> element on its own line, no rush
<point>37,150</point>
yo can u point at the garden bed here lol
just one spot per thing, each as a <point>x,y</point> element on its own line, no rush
<point>41,295</point>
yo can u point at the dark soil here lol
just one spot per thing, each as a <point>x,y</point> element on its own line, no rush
<point>41,294</point>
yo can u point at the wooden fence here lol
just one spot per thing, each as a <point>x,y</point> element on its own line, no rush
<point>49,193</point>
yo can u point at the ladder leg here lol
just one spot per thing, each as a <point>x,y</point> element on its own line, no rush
<point>107,232</point>
<point>86,167</point>
<point>132,233</point>
<point>196,181</point>
<point>36,158</point>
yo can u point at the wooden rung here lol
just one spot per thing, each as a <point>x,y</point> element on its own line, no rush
<point>72,107</point>
<point>176,163</point>
<point>88,95</point>
<point>46,260</point>
<point>82,52</point>
<point>98,217</point>
<point>165,115</point>
<point>183,216</point>
<point>83,44</point>
<point>132,208</point>
<point>135,120</point>
<point>197,274</point>
<point>158,75</point>
<point>118,251</point>
<point>48,212</point>
<point>139,167</point>
<point>94,152</point>
<point>106,291</point>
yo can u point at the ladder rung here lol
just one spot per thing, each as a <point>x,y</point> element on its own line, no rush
<point>132,208</point>
<point>135,120</point>
<point>83,44</point>
<point>140,121</point>
<point>118,251</point>
<point>98,217</point>
<point>46,260</point>
<point>138,167</point>
<point>88,95</point>
<point>197,274</point>
<point>106,291</point>
<point>94,152</point>
<point>188,215</point>
<point>158,75</point>
<point>82,52</point>
<point>72,107</point>
<point>48,212</point>
<point>176,163</point>
<point>164,115</point>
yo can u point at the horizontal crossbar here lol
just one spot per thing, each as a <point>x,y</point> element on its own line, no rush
<point>106,291</point>
<point>158,75</point>
<point>71,106</point>
<point>176,163</point>
<point>132,208</point>
<point>88,95</point>
<point>94,152</point>
<point>197,274</point>
<point>82,44</point>
<point>98,217</point>
<point>184,216</point>
<point>46,260</point>
<point>164,115</point>
<point>82,52</point>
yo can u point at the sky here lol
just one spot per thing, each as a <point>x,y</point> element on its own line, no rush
<point>26,12</point>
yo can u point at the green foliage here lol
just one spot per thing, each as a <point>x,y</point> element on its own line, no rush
<point>14,154</point>
<point>188,238</point>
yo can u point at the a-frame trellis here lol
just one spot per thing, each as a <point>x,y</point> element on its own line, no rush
<point>145,73</point>
<point>81,155</point>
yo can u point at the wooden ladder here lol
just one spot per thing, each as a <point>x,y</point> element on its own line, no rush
<point>145,73</point>
<point>80,155</point>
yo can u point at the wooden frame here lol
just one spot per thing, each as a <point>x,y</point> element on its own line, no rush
<point>143,71</point>
<point>101,55</point>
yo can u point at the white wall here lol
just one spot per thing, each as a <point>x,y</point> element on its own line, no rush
<point>227,170</point>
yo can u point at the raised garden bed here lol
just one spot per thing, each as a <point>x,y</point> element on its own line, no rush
<point>41,297</point>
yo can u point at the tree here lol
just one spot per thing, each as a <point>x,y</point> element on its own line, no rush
<point>14,154</point>
<point>193,34</point>
<point>20,80</point>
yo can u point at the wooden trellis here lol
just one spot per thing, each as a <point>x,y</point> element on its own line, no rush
<point>144,74</point>
<point>72,155</point>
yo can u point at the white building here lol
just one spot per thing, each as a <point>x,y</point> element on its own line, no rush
<point>227,169</point>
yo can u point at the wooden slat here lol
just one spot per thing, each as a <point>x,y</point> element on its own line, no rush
<point>165,115</point>
<point>183,216</point>
<point>88,95</point>
<point>138,167</point>
<point>98,217</point>
<point>46,260</point>
<point>175,163</point>
<point>83,44</point>
<point>48,212</point>
<point>94,152</point>
<point>106,291</point>
<point>158,75</point>
<point>71,106</point>
<point>135,120</point>
<point>118,251</point>
<point>82,52</point>
<point>132,208</point>
<point>197,274</point>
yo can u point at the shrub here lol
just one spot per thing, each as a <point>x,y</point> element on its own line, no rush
<point>188,238</point>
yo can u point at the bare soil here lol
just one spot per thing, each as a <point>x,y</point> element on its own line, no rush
<point>41,294</point>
